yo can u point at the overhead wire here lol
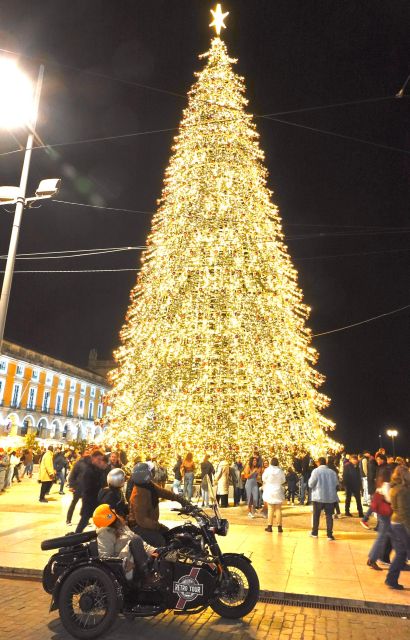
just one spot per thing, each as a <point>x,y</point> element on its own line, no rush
<point>339,135</point>
<point>97,206</point>
<point>210,122</point>
<point>356,324</point>
<point>140,85</point>
<point>286,224</point>
<point>62,255</point>
<point>79,253</point>
<point>119,269</point>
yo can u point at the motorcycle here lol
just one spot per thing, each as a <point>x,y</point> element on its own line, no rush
<point>190,574</point>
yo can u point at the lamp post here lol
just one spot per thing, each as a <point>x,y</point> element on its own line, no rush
<point>9,74</point>
<point>392,433</point>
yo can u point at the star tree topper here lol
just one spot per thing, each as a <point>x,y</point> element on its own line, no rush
<point>218,19</point>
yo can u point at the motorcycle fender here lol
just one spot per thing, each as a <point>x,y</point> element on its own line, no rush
<point>226,556</point>
<point>57,588</point>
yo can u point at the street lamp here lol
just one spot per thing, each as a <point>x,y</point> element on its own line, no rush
<point>392,433</point>
<point>18,108</point>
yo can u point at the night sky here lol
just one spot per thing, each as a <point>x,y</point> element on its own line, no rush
<point>336,196</point>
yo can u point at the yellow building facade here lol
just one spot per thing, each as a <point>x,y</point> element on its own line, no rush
<point>49,397</point>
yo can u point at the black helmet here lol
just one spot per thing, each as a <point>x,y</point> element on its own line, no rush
<point>141,474</point>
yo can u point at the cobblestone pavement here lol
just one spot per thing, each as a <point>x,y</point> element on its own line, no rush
<point>24,616</point>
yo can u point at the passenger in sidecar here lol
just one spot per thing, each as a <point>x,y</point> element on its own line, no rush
<point>116,540</point>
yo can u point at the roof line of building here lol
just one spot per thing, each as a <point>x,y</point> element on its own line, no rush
<point>17,351</point>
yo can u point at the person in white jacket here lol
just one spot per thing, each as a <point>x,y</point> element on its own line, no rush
<point>222,483</point>
<point>273,479</point>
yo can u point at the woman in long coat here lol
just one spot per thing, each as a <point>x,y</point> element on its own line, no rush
<point>273,479</point>
<point>222,483</point>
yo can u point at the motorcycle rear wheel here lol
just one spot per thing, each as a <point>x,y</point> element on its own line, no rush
<point>88,603</point>
<point>241,592</point>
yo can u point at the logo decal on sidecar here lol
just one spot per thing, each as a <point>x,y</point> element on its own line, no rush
<point>188,589</point>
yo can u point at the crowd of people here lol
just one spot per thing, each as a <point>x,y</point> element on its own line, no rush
<point>379,484</point>
<point>14,465</point>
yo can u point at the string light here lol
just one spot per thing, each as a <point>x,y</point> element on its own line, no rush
<point>215,354</point>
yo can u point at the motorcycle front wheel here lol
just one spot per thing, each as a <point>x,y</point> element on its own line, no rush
<point>239,590</point>
<point>88,603</point>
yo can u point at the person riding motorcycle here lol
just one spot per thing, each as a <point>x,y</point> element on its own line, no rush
<point>113,495</point>
<point>116,540</point>
<point>144,509</point>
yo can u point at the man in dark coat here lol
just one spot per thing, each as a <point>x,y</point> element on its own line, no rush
<point>306,463</point>
<point>91,483</point>
<point>371,486</point>
<point>353,484</point>
<point>60,467</point>
<point>75,484</point>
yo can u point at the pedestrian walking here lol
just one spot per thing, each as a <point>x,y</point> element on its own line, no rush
<point>400,524</point>
<point>188,474</point>
<point>12,470</point>
<point>305,475</point>
<point>371,487</point>
<point>363,466</point>
<point>380,505</point>
<point>4,465</point>
<point>353,484</point>
<point>75,484</point>
<point>336,506</point>
<point>323,483</point>
<point>60,467</point>
<point>46,473</point>
<point>291,485</point>
<point>273,479</point>
<point>92,480</point>
<point>222,483</point>
<point>237,481</point>
<point>176,485</point>
<point>251,474</point>
<point>207,474</point>
<point>28,463</point>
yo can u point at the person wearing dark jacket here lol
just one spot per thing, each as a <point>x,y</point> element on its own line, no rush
<point>331,464</point>
<point>291,483</point>
<point>60,467</point>
<point>113,495</point>
<point>176,486</point>
<point>306,473</point>
<point>371,475</point>
<point>144,506</point>
<point>91,482</point>
<point>353,484</point>
<point>75,485</point>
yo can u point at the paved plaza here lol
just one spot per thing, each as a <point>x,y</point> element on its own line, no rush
<point>24,615</point>
<point>291,563</point>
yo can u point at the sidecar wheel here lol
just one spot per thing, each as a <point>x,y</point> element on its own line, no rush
<point>88,603</point>
<point>240,592</point>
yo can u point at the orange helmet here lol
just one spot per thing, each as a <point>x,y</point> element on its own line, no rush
<point>103,516</point>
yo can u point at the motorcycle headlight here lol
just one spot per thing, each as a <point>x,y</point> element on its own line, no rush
<point>223,528</point>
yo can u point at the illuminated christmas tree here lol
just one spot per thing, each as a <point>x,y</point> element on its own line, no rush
<point>215,354</point>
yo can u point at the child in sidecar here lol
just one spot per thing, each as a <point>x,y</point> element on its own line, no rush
<point>116,540</point>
